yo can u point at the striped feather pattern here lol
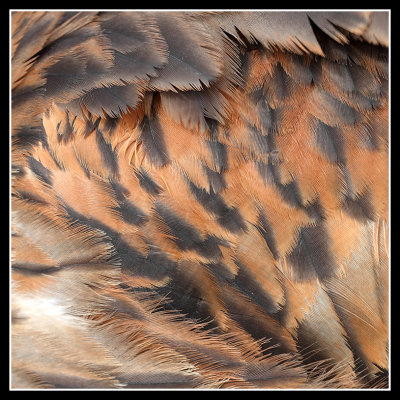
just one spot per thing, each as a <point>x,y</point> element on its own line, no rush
<point>200,200</point>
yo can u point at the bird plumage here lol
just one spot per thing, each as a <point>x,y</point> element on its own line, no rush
<point>200,199</point>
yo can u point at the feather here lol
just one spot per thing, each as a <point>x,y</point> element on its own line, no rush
<point>64,252</point>
<point>147,183</point>
<point>260,327</point>
<point>112,101</point>
<point>354,22</point>
<point>192,60</point>
<point>228,217</point>
<point>266,29</point>
<point>186,236</point>
<point>330,141</point>
<point>185,108</point>
<point>328,342</point>
<point>332,111</point>
<point>297,67</point>
<point>377,30</point>
<point>363,310</point>
<point>337,75</point>
<point>365,83</point>
<point>200,199</point>
<point>312,257</point>
<point>152,139</point>
<point>28,39</point>
<point>129,211</point>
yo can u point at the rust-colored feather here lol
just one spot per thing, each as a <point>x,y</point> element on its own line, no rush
<point>200,199</point>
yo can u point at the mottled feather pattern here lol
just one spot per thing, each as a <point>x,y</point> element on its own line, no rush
<point>200,200</point>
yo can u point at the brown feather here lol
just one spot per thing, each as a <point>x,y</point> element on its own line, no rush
<point>200,199</point>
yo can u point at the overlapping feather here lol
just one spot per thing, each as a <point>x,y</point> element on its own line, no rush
<point>195,198</point>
